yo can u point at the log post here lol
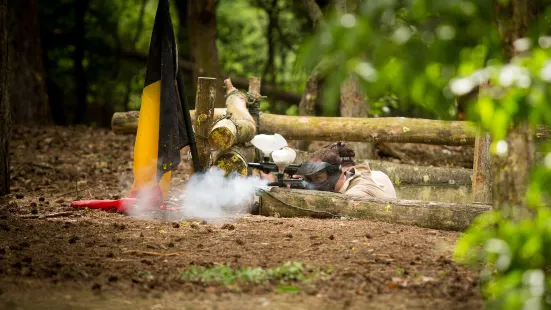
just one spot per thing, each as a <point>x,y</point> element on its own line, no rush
<point>482,177</point>
<point>253,104</point>
<point>237,127</point>
<point>307,203</point>
<point>204,103</point>
<point>232,160</point>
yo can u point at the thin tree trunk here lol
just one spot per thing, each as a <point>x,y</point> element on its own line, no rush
<point>307,105</point>
<point>28,94</point>
<point>79,74</point>
<point>353,100</point>
<point>511,169</point>
<point>201,22</point>
<point>5,120</point>
<point>353,104</point>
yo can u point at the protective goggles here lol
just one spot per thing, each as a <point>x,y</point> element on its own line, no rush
<point>306,169</point>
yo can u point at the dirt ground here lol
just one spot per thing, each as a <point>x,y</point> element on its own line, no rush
<point>55,257</point>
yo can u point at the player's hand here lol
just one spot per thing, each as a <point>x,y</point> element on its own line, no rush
<point>267,176</point>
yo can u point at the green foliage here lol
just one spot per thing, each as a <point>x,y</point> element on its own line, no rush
<point>431,52</point>
<point>226,275</point>
<point>243,44</point>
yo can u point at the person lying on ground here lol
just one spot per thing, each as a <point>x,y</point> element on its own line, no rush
<point>323,173</point>
<point>348,164</point>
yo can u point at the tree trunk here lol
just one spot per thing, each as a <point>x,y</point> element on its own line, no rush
<point>5,119</point>
<point>307,105</point>
<point>429,214</point>
<point>353,104</point>
<point>79,74</point>
<point>511,169</point>
<point>28,92</point>
<point>201,23</point>
<point>353,100</point>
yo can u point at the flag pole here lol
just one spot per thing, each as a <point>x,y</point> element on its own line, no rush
<point>187,122</point>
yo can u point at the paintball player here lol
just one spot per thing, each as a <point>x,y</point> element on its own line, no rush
<point>347,164</point>
<point>324,172</point>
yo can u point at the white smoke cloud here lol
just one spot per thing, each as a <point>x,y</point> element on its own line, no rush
<point>213,197</point>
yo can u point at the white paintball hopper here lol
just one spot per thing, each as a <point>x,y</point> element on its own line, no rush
<point>269,143</point>
<point>284,157</point>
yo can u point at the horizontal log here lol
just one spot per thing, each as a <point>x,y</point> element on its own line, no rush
<point>124,123</point>
<point>238,127</point>
<point>232,161</point>
<point>409,174</point>
<point>429,214</point>
<point>384,129</point>
<point>372,130</point>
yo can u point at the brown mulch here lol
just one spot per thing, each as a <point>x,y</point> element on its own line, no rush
<point>54,257</point>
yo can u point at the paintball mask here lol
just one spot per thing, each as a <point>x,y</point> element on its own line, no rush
<point>309,171</point>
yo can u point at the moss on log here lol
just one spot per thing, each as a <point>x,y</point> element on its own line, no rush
<point>237,127</point>
<point>390,129</point>
<point>126,123</point>
<point>232,160</point>
<point>482,169</point>
<point>430,214</point>
<point>205,100</point>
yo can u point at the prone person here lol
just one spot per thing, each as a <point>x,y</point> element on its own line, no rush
<point>327,171</point>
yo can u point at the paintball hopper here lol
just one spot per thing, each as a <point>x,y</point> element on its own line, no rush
<point>284,157</point>
<point>269,143</point>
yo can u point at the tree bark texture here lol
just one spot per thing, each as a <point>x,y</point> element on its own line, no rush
<point>205,99</point>
<point>304,203</point>
<point>28,92</point>
<point>353,99</point>
<point>307,105</point>
<point>482,177</point>
<point>511,170</point>
<point>79,74</point>
<point>354,104</point>
<point>202,41</point>
<point>232,161</point>
<point>237,126</point>
<point>401,174</point>
<point>5,120</point>
<point>389,129</point>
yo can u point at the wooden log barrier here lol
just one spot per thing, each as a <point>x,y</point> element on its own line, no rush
<point>409,174</point>
<point>232,160</point>
<point>237,127</point>
<point>205,99</point>
<point>429,214</point>
<point>384,129</point>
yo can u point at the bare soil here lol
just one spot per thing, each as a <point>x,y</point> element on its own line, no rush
<point>55,257</point>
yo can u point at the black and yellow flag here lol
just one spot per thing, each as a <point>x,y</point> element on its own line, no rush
<point>162,131</point>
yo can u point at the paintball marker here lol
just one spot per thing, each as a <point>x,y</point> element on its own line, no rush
<point>268,167</point>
